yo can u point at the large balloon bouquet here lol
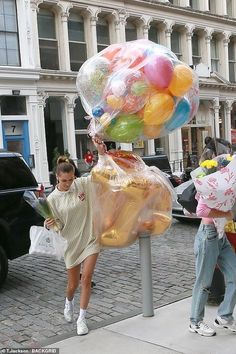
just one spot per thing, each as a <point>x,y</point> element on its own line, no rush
<point>134,90</point>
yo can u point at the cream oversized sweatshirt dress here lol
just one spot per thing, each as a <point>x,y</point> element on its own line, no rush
<point>73,209</point>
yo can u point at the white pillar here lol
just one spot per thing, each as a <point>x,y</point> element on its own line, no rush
<point>126,146</point>
<point>228,109</point>
<point>38,138</point>
<point>70,122</point>
<point>203,5</point>
<point>216,125</point>
<point>175,146</point>
<point>184,3</point>
<point>151,147</point>
<point>168,37</point>
<point>189,35</point>
<point>93,28</point>
<point>226,41</point>
<point>208,47</point>
<point>122,21</point>
<point>223,7</point>
<point>64,42</point>
<point>35,35</point>
<point>91,18</point>
<point>145,31</point>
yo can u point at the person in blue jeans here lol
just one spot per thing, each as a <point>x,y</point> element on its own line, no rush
<point>211,248</point>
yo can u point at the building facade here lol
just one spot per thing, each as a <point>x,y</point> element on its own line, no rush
<point>44,43</point>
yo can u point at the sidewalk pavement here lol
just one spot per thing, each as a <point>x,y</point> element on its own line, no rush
<point>165,333</point>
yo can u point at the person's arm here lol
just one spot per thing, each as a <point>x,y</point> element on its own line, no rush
<point>203,211</point>
<point>100,146</point>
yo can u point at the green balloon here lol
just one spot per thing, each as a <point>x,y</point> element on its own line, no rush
<point>125,129</point>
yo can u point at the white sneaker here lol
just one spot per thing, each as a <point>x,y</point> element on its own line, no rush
<point>202,328</point>
<point>222,323</point>
<point>69,311</point>
<point>82,327</point>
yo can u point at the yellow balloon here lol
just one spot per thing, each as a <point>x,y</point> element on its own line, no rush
<point>124,230</point>
<point>115,102</point>
<point>181,81</point>
<point>152,131</point>
<point>161,223</point>
<point>105,119</point>
<point>158,109</point>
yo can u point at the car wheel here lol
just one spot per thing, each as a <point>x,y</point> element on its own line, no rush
<point>3,266</point>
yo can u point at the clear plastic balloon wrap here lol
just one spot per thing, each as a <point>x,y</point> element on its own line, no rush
<point>137,90</point>
<point>129,198</point>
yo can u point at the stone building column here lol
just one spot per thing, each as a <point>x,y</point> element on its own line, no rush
<point>38,137</point>
<point>64,42</point>
<point>35,34</point>
<point>184,3</point>
<point>208,38</point>
<point>175,146</point>
<point>91,18</point>
<point>225,63</point>
<point>168,32</point>
<point>223,7</point>
<point>189,35</point>
<point>70,129</point>
<point>228,109</point>
<point>203,5</point>
<point>215,123</point>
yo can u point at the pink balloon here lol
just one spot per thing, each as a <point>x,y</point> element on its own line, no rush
<point>159,71</point>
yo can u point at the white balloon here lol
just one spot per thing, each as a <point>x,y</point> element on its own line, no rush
<point>118,88</point>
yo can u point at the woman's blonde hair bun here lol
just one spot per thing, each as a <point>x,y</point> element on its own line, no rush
<point>62,159</point>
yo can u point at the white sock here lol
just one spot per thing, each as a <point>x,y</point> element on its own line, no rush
<point>70,302</point>
<point>82,314</point>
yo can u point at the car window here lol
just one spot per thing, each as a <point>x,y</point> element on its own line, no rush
<point>14,173</point>
<point>160,161</point>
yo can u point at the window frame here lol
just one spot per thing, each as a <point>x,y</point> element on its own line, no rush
<point>7,33</point>
<point>48,39</point>
<point>78,43</point>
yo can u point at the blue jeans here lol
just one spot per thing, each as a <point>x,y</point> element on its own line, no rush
<point>209,250</point>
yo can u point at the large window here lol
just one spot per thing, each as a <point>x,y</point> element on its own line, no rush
<point>103,37</point>
<point>176,43</point>
<point>196,49</point>
<point>9,46</point>
<point>130,31</point>
<point>214,55</point>
<point>153,34</point>
<point>47,40</point>
<point>232,62</point>
<point>77,44</point>
<point>13,105</point>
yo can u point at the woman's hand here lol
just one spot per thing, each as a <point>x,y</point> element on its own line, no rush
<point>49,223</point>
<point>100,146</point>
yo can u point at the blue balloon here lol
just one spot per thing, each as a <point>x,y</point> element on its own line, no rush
<point>97,111</point>
<point>180,116</point>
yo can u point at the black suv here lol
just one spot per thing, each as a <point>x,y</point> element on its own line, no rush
<point>16,216</point>
<point>162,162</point>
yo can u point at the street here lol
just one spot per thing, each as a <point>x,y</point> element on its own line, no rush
<point>32,299</point>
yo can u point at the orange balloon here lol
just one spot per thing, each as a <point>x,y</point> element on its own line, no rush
<point>152,131</point>
<point>127,160</point>
<point>159,109</point>
<point>182,80</point>
<point>161,223</point>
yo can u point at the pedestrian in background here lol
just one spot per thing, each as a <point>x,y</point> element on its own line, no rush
<point>72,207</point>
<point>211,249</point>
